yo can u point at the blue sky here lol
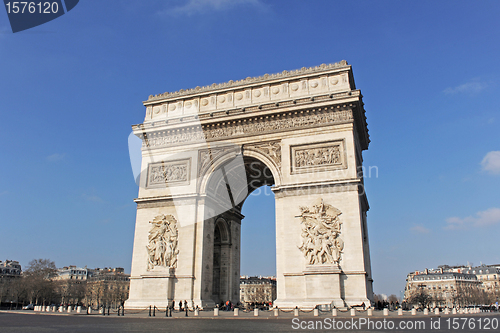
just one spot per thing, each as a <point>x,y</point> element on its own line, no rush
<point>429,73</point>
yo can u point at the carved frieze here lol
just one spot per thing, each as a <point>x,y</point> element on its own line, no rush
<point>251,126</point>
<point>272,149</point>
<point>321,226</point>
<point>206,157</point>
<point>168,173</point>
<point>318,157</point>
<point>162,242</point>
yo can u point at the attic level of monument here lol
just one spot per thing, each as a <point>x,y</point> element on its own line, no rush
<point>249,81</point>
<point>305,98</point>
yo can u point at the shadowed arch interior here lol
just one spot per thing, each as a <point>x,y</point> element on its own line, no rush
<point>229,187</point>
<point>233,182</point>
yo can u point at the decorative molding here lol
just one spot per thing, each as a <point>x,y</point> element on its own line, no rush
<point>162,242</point>
<point>263,78</point>
<point>314,157</point>
<point>321,225</point>
<point>247,127</point>
<point>168,173</point>
<point>305,189</point>
<point>272,149</point>
<point>207,157</point>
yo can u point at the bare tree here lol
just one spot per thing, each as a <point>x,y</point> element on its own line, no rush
<point>393,298</point>
<point>38,276</point>
<point>420,297</point>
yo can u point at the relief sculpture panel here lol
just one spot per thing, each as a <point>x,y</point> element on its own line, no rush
<point>318,157</point>
<point>162,242</point>
<point>166,173</point>
<point>321,225</point>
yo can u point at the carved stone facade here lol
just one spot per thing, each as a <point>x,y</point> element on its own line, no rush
<point>321,242</point>
<point>207,157</point>
<point>264,78</point>
<point>162,242</point>
<point>247,127</point>
<point>166,173</point>
<point>318,157</point>
<point>206,149</point>
<point>271,149</point>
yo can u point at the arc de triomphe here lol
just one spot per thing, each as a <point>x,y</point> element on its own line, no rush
<point>204,150</point>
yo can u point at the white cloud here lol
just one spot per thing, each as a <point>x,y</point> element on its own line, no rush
<point>55,157</point>
<point>491,162</point>
<point>191,7</point>
<point>472,87</point>
<point>92,198</point>
<point>420,229</point>
<point>482,219</point>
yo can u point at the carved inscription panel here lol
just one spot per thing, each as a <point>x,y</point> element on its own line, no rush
<point>168,173</point>
<point>318,157</point>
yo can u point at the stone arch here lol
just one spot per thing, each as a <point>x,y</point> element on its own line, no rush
<point>308,129</point>
<point>221,228</point>
<point>274,167</point>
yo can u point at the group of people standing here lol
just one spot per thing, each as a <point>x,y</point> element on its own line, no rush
<point>182,306</point>
<point>228,306</point>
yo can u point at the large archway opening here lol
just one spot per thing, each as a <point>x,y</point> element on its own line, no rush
<point>234,186</point>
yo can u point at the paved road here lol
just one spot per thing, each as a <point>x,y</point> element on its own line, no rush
<point>29,321</point>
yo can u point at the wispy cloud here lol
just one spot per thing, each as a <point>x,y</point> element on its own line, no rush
<point>92,198</point>
<point>191,7</point>
<point>481,219</point>
<point>491,162</point>
<point>55,157</point>
<point>419,229</point>
<point>4,193</point>
<point>472,87</point>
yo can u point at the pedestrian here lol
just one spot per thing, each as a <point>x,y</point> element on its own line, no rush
<point>180,305</point>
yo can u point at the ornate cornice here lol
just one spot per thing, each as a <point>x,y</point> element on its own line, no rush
<point>249,80</point>
<point>280,122</point>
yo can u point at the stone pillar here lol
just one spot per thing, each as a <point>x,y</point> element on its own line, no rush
<point>426,311</point>
<point>216,312</point>
<point>79,309</point>
<point>446,311</point>
<point>334,312</point>
<point>413,312</point>
<point>316,312</point>
<point>436,311</point>
<point>353,312</point>
<point>69,309</point>
<point>256,312</point>
<point>276,312</point>
<point>196,312</point>
<point>296,312</point>
<point>369,312</point>
<point>236,312</point>
<point>386,311</point>
<point>400,312</point>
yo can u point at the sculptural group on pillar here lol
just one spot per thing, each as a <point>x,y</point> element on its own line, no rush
<point>321,243</point>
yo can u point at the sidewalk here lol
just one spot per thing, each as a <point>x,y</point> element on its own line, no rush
<point>262,314</point>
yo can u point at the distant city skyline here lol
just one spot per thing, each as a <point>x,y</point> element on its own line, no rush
<point>73,87</point>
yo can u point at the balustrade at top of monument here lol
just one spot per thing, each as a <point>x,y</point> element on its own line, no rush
<point>251,94</point>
